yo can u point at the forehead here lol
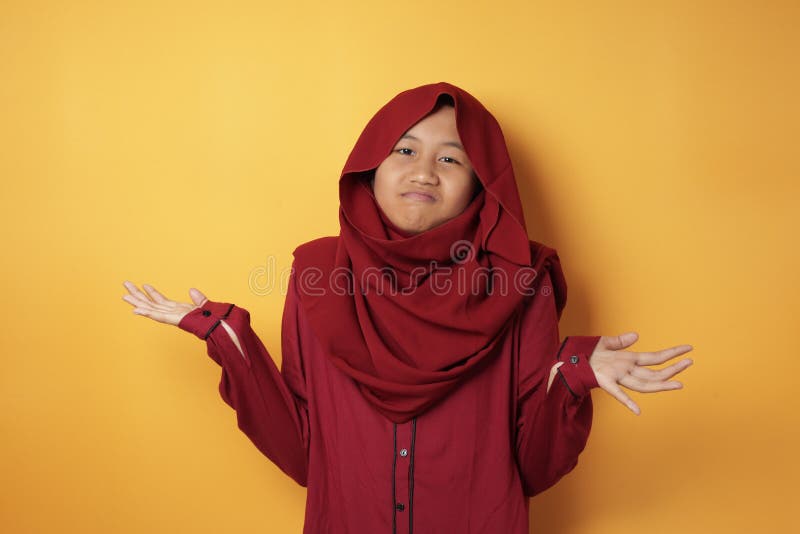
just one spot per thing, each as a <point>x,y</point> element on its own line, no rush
<point>444,116</point>
<point>440,124</point>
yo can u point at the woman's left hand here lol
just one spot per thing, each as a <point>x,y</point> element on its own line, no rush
<point>614,367</point>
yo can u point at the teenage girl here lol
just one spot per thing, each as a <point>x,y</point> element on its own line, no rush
<point>423,381</point>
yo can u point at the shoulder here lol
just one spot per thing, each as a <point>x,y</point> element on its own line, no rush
<point>320,250</point>
<point>549,273</point>
<point>542,256</point>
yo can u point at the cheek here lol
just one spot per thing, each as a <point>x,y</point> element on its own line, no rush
<point>382,176</point>
<point>378,184</point>
<point>387,177</point>
<point>381,189</point>
<point>462,192</point>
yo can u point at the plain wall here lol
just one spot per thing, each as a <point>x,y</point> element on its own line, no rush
<point>196,144</point>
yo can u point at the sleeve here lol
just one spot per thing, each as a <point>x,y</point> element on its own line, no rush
<point>270,405</point>
<point>552,428</point>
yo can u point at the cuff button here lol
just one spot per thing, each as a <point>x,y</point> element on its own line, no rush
<point>574,358</point>
<point>206,313</point>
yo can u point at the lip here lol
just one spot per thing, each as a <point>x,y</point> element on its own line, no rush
<point>418,195</point>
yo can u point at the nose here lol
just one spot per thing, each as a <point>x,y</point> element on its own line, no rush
<point>424,172</point>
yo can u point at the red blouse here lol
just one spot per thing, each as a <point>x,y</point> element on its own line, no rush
<point>467,465</point>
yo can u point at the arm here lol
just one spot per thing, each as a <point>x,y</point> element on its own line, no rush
<point>270,405</point>
<point>552,426</point>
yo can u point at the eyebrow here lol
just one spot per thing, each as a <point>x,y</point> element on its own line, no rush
<point>448,143</point>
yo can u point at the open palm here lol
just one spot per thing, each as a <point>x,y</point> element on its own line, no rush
<point>158,307</point>
<point>614,367</point>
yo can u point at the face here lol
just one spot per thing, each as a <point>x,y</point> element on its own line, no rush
<point>427,179</point>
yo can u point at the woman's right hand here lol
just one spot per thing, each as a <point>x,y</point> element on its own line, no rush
<point>158,307</point>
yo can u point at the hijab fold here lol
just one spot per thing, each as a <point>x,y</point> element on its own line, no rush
<point>410,316</point>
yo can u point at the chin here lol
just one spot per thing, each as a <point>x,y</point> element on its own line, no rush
<point>417,226</point>
<point>423,228</point>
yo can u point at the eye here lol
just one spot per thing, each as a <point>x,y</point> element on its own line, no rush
<point>400,150</point>
<point>449,158</point>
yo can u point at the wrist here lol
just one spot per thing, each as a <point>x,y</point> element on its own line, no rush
<point>202,320</point>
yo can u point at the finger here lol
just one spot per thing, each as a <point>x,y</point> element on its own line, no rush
<point>133,290</point>
<point>621,341</point>
<point>646,386</point>
<point>142,298</point>
<point>620,395</point>
<point>145,304</point>
<point>654,358</point>
<point>155,295</point>
<point>197,296</point>
<point>659,375</point>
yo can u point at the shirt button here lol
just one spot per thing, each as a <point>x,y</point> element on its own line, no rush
<point>206,313</point>
<point>574,358</point>
<point>403,452</point>
<point>400,506</point>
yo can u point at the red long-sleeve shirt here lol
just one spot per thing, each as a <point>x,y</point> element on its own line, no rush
<point>467,465</point>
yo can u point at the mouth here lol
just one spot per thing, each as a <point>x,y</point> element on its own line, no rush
<point>421,197</point>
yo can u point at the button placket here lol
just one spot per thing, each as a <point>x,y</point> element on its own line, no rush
<point>401,478</point>
<point>403,452</point>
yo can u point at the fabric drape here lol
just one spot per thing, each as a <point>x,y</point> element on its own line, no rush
<point>410,317</point>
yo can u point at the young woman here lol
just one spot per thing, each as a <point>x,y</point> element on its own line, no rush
<point>423,382</point>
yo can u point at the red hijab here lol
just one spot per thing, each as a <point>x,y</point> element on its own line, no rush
<point>409,317</point>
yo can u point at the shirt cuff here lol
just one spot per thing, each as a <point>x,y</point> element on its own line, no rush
<point>203,320</point>
<point>576,371</point>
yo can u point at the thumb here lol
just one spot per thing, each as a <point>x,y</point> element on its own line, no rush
<point>197,297</point>
<point>621,341</point>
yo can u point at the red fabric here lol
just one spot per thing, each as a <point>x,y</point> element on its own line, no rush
<point>407,350</point>
<point>470,462</point>
<point>387,421</point>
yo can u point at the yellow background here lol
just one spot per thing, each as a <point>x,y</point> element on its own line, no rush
<point>191,144</point>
